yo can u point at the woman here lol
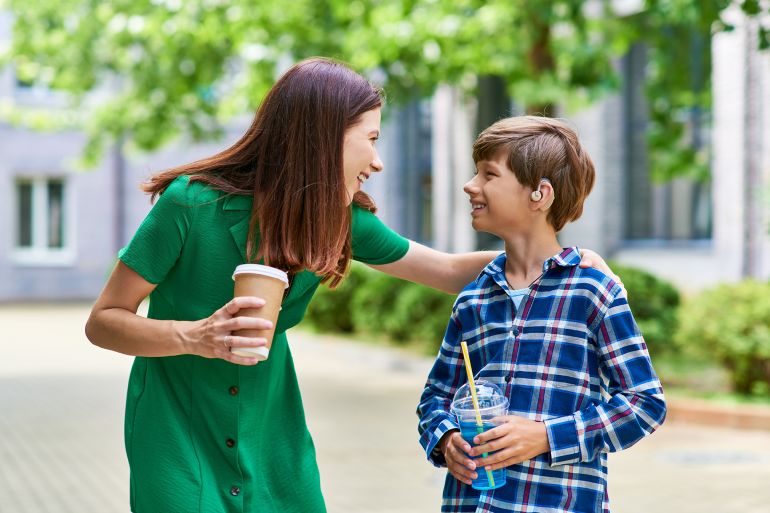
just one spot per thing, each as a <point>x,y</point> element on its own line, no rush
<point>202,434</point>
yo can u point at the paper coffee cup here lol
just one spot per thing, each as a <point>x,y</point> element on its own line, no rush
<point>268,283</point>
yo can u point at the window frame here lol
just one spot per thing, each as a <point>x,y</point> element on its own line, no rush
<point>660,221</point>
<point>39,254</point>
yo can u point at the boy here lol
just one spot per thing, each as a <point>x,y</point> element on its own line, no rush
<point>559,340</point>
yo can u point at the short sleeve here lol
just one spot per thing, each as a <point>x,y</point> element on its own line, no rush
<point>373,242</point>
<point>157,244</point>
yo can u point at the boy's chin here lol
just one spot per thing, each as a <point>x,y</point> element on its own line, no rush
<point>479,226</point>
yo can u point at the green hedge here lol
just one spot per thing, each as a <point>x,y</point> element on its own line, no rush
<point>420,314</point>
<point>373,302</point>
<point>377,304</point>
<point>654,303</point>
<point>732,324</point>
<point>330,309</point>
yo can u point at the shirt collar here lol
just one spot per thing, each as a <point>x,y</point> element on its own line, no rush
<point>567,257</point>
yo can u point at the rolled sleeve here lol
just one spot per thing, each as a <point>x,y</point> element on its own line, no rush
<point>430,439</point>
<point>157,243</point>
<point>635,406</point>
<point>563,440</point>
<point>373,242</point>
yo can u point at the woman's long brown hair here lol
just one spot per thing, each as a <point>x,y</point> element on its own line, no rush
<point>290,162</point>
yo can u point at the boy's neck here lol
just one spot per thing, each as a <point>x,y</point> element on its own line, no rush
<point>525,254</point>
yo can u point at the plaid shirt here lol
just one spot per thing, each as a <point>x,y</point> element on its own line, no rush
<point>573,358</point>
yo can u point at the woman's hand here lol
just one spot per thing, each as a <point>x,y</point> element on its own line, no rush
<point>213,337</point>
<point>515,439</point>
<point>455,451</point>
<point>590,258</point>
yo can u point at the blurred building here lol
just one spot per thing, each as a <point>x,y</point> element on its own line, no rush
<point>694,233</point>
<point>60,229</point>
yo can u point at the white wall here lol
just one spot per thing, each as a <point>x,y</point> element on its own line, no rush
<point>452,141</point>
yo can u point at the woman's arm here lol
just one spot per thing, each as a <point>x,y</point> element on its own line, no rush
<point>114,324</point>
<point>451,272</point>
<point>443,271</point>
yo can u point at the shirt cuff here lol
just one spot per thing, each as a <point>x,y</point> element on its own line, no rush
<point>563,440</point>
<point>433,451</point>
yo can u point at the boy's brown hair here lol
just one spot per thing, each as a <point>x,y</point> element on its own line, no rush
<point>539,147</point>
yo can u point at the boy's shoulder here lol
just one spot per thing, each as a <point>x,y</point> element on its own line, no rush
<point>596,288</point>
<point>583,277</point>
<point>482,283</point>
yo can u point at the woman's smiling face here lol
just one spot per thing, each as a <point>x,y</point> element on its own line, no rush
<point>359,154</point>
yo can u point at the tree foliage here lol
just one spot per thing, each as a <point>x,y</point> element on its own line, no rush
<point>186,66</point>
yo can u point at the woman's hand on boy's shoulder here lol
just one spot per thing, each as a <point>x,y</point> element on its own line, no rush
<point>590,258</point>
<point>455,451</point>
<point>515,439</point>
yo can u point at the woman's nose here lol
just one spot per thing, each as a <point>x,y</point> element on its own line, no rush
<point>377,164</point>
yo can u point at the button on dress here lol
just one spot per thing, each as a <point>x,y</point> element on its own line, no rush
<point>204,435</point>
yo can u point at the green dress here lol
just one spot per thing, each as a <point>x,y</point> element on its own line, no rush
<point>204,435</point>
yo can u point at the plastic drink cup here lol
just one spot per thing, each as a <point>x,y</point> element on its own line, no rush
<point>268,283</point>
<point>492,403</point>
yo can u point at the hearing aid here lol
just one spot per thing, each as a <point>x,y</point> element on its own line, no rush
<point>537,195</point>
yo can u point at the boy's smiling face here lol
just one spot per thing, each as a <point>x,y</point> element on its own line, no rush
<point>499,202</point>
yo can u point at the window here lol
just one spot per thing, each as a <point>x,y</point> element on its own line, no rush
<point>676,211</point>
<point>24,84</point>
<point>413,167</point>
<point>42,235</point>
<point>36,93</point>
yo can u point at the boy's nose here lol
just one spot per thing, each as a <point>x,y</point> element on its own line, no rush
<point>470,186</point>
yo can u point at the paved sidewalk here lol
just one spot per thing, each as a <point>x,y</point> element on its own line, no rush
<point>61,442</point>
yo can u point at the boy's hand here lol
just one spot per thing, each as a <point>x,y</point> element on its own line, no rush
<point>455,451</point>
<point>590,258</point>
<point>515,438</point>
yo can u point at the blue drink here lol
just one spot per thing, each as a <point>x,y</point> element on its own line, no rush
<point>469,430</point>
<point>491,403</point>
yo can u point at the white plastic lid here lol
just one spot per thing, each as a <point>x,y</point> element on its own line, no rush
<point>261,353</point>
<point>264,270</point>
<point>488,395</point>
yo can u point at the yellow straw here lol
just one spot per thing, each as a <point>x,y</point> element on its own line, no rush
<point>475,399</point>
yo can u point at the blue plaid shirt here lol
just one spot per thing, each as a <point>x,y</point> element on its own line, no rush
<point>573,358</point>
